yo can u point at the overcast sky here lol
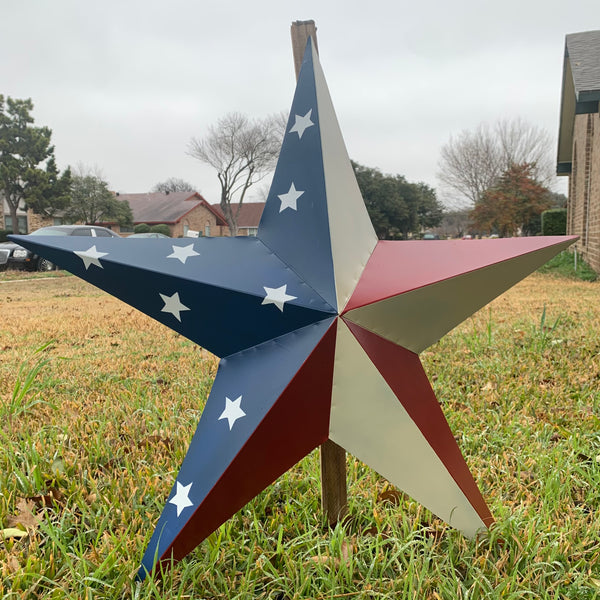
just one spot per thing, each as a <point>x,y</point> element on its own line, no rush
<point>125,84</point>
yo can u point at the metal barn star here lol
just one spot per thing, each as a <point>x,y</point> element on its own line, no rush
<point>318,326</point>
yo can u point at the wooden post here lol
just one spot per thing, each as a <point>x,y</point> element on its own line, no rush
<point>334,495</point>
<point>301,31</point>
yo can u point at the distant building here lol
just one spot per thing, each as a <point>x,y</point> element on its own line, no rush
<point>579,141</point>
<point>6,221</point>
<point>248,217</point>
<point>28,221</point>
<point>186,214</point>
<point>182,212</point>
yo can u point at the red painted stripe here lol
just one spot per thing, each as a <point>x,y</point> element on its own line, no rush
<point>405,375</point>
<point>297,423</point>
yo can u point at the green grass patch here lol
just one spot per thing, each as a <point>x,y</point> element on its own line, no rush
<point>565,265</point>
<point>17,275</point>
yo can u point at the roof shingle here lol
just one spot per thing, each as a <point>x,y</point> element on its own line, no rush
<point>249,214</point>
<point>158,207</point>
<point>584,51</point>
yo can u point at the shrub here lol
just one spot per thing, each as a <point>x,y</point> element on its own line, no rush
<point>161,228</point>
<point>4,233</point>
<point>141,228</point>
<point>554,221</point>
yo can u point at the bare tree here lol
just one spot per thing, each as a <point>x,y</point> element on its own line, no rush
<point>472,162</point>
<point>173,184</point>
<point>243,151</point>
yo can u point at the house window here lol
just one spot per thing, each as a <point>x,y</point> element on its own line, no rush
<point>252,230</point>
<point>21,220</point>
<point>126,229</point>
<point>207,230</point>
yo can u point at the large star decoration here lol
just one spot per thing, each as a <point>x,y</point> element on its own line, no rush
<point>318,326</point>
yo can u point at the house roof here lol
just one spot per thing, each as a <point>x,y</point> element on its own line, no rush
<point>583,50</point>
<point>249,215</point>
<point>158,207</point>
<point>580,90</point>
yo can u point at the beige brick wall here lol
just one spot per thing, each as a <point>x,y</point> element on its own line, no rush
<point>583,217</point>
<point>198,219</point>
<point>35,221</point>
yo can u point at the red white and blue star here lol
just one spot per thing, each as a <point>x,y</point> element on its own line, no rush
<point>318,326</point>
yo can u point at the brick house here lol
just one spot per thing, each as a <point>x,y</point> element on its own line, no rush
<point>579,141</point>
<point>248,218</point>
<point>182,212</point>
<point>186,213</point>
<point>28,220</point>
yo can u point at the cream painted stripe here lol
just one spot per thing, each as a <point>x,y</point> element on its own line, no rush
<point>352,235</point>
<point>370,422</point>
<point>417,319</point>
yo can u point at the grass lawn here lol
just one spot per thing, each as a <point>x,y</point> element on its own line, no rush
<point>92,444</point>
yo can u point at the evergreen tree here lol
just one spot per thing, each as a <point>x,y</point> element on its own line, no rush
<point>24,148</point>
<point>397,207</point>
<point>92,201</point>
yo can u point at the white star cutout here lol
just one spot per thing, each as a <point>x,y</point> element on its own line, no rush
<point>302,124</point>
<point>173,305</point>
<point>182,253</point>
<point>90,257</point>
<point>181,499</point>
<point>232,411</point>
<point>289,200</point>
<point>277,296</point>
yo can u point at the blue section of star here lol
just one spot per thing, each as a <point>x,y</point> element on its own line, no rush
<point>259,375</point>
<point>219,288</point>
<point>301,237</point>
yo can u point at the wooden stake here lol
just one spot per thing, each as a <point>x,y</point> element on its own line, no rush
<point>334,496</point>
<point>301,31</point>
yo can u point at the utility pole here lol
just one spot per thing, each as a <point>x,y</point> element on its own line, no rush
<point>334,495</point>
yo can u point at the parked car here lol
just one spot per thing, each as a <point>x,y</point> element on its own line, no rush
<point>150,234</point>
<point>13,256</point>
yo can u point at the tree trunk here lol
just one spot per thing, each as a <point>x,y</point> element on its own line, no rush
<point>13,215</point>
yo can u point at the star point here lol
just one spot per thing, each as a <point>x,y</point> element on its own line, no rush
<point>91,257</point>
<point>277,296</point>
<point>173,305</point>
<point>289,199</point>
<point>182,253</point>
<point>302,124</point>
<point>233,411</point>
<point>181,499</point>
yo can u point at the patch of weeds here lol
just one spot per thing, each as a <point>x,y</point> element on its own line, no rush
<point>565,265</point>
<point>24,396</point>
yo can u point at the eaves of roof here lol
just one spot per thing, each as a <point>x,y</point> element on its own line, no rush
<point>580,93</point>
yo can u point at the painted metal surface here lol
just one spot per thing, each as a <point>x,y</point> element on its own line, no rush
<point>284,391</point>
<point>413,293</point>
<point>352,235</point>
<point>202,288</point>
<point>296,369</point>
<point>369,420</point>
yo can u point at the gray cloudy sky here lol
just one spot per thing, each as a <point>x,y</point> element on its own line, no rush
<point>125,84</point>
